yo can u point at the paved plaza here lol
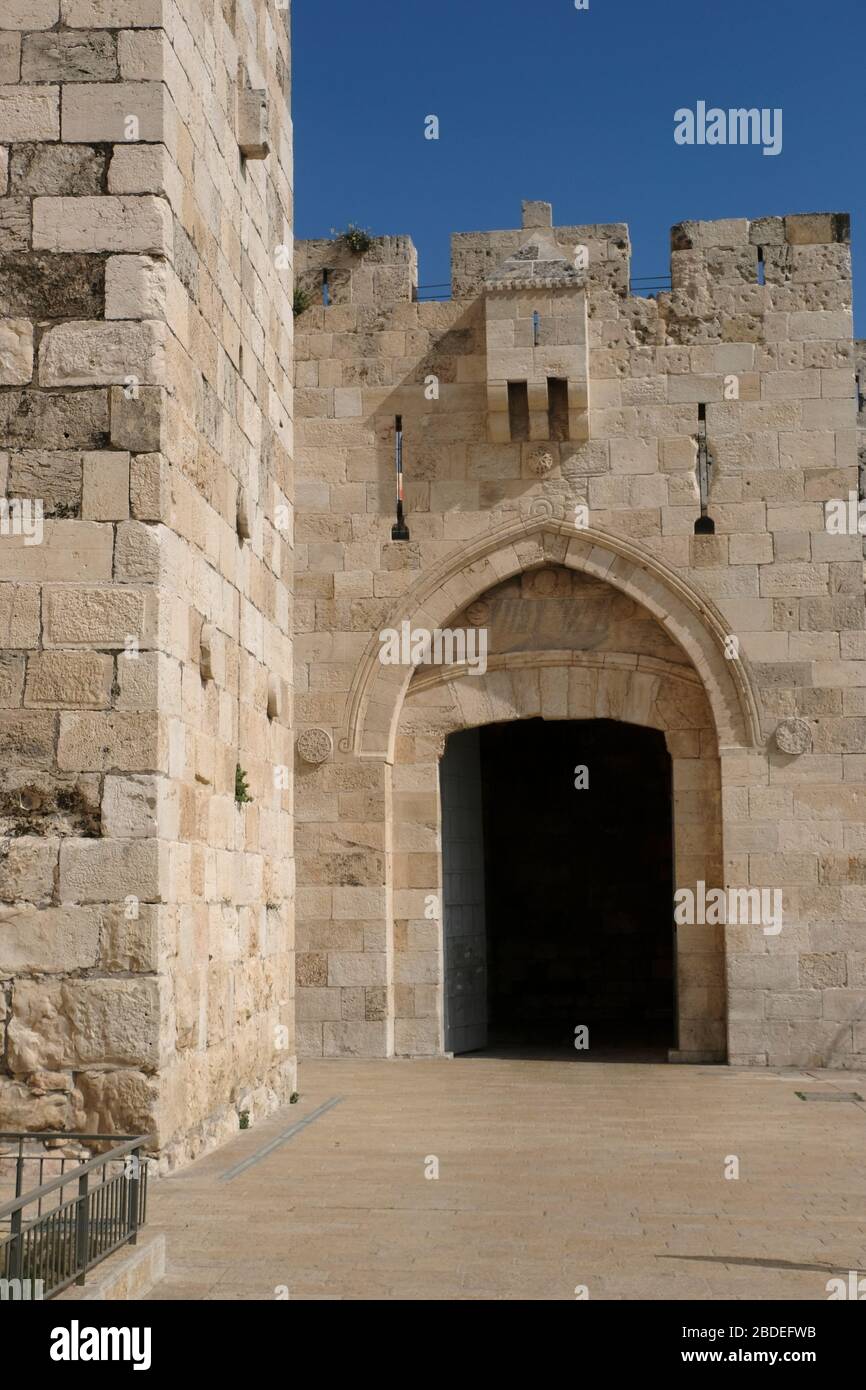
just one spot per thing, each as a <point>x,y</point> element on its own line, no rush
<point>552,1175</point>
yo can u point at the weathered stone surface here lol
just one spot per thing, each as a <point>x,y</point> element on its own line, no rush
<point>129,807</point>
<point>46,804</point>
<point>32,734</point>
<point>105,492</point>
<point>16,352</point>
<point>19,615</point>
<point>87,354</point>
<point>15,226</point>
<point>27,869</point>
<point>137,421</point>
<point>129,939</point>
<point>104,617</point>
<point>102,111</point>
<point>23,1110</point>
<point>45,287</point>
<point>62,679</point>
<point>99,742</point>
<point>135,288</point>
<point>52,475</point>
<point>56,940</point>
<point>112,14</point>
<point>56,171</point>
<point>69,57</point>
<point>10,57</point>
<point>78,1023</point>
<point>30,14</point>
<point>117,1102</point>
<point>29,113</point>
<point>119,224</point>
<point>54,420</point>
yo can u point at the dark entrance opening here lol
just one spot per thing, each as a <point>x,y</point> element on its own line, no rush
<point>559,883</point>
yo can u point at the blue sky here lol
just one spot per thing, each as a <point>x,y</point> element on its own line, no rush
<point>539,100</point>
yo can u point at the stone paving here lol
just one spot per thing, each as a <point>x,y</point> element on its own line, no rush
<point>552,1174</point>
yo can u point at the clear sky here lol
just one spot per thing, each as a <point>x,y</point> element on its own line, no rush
<point>537,99</point>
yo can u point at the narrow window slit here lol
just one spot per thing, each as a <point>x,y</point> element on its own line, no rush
<point>518,410</point>
<point>557,407</point>
<point>536,328</point>
<point>704,526</point>
<point>762,269</point>
<point>326,288</point>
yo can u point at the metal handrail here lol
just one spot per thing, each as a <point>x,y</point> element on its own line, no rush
<point>37,1193</point>
<point>52,1250</point>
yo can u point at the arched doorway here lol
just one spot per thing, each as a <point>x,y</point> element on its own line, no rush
<point>644,695</point>
<point>558,880</point>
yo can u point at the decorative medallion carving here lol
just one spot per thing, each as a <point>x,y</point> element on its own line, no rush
<point>541,463</point>
<point>794,736</point>
<point>478,613</point>
<point>315,745</point>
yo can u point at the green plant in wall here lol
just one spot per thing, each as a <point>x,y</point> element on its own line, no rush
<point>242,791</point>
<point>358,239</point>
<point>244,1119</point>
<point>300,301</point>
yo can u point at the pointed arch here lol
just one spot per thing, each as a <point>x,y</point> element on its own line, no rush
<point>687,616</point>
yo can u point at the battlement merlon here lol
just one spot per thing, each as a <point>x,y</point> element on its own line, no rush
<point>798,261</point>
<point>385,274</point>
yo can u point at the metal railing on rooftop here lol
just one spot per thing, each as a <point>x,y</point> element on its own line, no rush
<point>425,293</point>
<point>645,286</point>
<point>49,1241</point>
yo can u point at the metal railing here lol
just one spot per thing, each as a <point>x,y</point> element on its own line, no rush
<point>425,294</point>
<point>49,1241</point>
<point>648,286</point>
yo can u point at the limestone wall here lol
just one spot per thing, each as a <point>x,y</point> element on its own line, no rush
<point>146,401</point>
<point>756,335</point>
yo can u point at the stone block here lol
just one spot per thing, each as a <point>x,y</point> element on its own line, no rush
<point>136,287</point>
<point>88,354</point>
<point>112,14</point>
<point>130,807</point>
<point>15,226</point>
<point>69,679</point>
<point>117,1102</point>
<point>29,113</point>
<point>69,57</point>
<point>68,550</point>
<point>30,14</point>
<point>10,57</point>
<point>109,112</point>
<point>44,286</point>
<point>32,734</point>
<point>27,868</point>
<point>82,1023</point>
<point>105,495</point>
<point>19,615</point>
<point>56,171</point>
<point>16,352</point>
<point>120,224</point>
<point>103,871</point>
<point>102,742</point>
<point>137,420</point>
<point>51,940</point>
<point>102,617</point>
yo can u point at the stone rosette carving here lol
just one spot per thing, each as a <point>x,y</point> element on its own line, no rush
<point>478,614</point>
<point>541,463</point>
<point>794,736</point>
<point>315,745</point>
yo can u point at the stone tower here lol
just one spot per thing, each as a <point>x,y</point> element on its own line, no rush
<point>146,881</point>
<point>629,497</point>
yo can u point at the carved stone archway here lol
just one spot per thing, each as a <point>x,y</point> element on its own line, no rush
<point>689,618</point>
